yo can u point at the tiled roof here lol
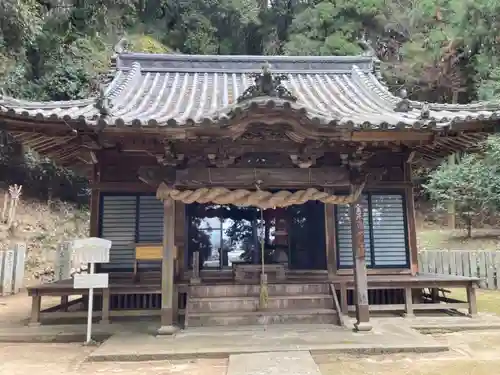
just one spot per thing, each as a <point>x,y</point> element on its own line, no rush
<point>186,90</point>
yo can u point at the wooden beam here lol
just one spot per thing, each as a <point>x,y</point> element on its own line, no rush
<point>270,177</point>
<point>93,157</point>
<point>370,136</point>
<point>246,177</point>
<point>122,187</point>
<point>153,176</point>
<point>411,157</point>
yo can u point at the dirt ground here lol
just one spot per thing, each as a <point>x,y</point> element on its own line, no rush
<point>473,353</point>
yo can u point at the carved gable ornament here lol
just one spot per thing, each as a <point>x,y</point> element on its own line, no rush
<point>267,84</point>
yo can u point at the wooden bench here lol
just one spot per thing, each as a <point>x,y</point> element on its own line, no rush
<point>245,272</point>
<point>416,283</point>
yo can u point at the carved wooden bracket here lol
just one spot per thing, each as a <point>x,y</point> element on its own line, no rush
<point>306,157</point>
<point>224,156</point>
<point>303,161</point>
<point>358,170</point>
<point>221,160</point>
<point>153,176</point>
<point>170,157</point>
<point>357,159</point>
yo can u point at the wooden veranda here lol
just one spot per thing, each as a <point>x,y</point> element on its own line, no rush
<point>127,297</point>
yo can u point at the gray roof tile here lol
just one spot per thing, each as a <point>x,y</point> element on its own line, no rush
<point>177,90</point>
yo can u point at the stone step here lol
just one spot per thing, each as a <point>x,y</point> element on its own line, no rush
<point>245,290</point>
<point>302,316</point>
<point>221,304</point>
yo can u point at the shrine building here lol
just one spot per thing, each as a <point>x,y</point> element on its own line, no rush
<point>217,176</point>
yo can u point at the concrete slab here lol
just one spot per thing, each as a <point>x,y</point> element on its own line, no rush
<point>482,321</point>
<point>308,333</point>
<point>221,342</point>
<point>68,333</point>
<point>273,363</point>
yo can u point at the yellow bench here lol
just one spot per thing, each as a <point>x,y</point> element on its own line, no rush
<point>145,252</point>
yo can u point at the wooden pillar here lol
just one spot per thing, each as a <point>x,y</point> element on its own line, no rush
<point>471,299</point>
<point>410,223</point>
<point>281,233</point>
<point>281,236</point>
<point>94,202</point>
<point>360,274</point>
<point>330,240</point>
<point>195,273</point>
<point>167,270</point>
<point>36,307</point>
<point>105,306</point>
<point>409,302</point>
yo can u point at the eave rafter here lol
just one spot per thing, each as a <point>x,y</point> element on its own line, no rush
<point>80,142</point>
<point>443,146</point>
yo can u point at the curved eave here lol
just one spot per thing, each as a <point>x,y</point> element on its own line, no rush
<point>354,100</point>
<point>252,110</point>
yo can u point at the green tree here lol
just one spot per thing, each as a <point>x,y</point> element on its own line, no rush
<point>473,183</point>
<point>333,27</point>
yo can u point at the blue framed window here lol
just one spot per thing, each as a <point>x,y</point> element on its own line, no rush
<point>386,233</point>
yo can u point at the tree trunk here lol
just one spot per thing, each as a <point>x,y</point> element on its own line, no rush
<point>468,220</point>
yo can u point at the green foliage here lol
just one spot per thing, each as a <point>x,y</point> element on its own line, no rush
<point>56,49</point>
<point>146,44</point>
<point>332,27</point>
<point>473,183</point>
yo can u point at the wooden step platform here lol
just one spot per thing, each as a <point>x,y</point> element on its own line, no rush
<point>237,304</point>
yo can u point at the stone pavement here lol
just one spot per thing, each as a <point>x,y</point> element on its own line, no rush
<point>273,363</point>
<point>220,342</point>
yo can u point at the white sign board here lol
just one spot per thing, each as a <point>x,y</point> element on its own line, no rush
<point>91,281</point>
<point>91,250</point>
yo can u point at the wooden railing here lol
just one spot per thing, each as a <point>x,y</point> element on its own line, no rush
<point>482,264</point>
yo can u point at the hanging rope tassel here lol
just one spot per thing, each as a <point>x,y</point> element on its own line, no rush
<point>264,293</point>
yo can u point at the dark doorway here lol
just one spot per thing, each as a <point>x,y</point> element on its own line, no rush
<point>226,234</point>
<point>307,236</point>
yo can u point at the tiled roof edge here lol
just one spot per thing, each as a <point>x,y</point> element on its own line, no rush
<point>230,62</point>
<point>233,58</point>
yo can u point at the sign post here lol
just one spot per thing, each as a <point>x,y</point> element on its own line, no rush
<point>91,250</point>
